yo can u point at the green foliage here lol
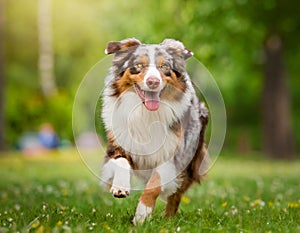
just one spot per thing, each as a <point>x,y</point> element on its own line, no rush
<point>56,193</point>
<point>27,115</point>
<point>227,36</point>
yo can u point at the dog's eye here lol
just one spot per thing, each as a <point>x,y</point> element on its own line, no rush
<point>164,67</point>
<point>139,66</point>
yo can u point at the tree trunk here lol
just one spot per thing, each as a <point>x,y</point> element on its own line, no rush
<point>278,141</point>
<point>2,111</point>
<point>46,60</point>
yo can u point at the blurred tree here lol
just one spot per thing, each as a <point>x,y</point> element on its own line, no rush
<point>46,59</point>
<point>277,131</point>
<point>281,23</point>
<point>2,79</point>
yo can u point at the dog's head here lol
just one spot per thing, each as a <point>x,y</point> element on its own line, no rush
<point>153,71</point>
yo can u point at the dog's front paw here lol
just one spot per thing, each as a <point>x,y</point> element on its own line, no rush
<point>119,192</point>
<point>142,212</point>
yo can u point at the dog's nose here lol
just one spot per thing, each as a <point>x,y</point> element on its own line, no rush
<point>152,83</point>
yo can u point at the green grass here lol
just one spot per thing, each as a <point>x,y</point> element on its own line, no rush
<point>57,193</point>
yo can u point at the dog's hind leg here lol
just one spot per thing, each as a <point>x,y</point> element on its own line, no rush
<point>173,204</point>
<point>174,199</point>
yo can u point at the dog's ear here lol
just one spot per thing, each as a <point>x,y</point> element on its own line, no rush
<point>178,47</point>
<point>117,46</point>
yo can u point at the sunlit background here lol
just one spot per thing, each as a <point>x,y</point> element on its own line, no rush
<point>250,47</point>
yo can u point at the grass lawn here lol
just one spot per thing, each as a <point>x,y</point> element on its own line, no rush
<point>57,193</point>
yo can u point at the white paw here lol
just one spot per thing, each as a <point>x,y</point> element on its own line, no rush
<point>119,192</point>
<point>121,186</point>
<point>116,172</point>
<point>142,212</point>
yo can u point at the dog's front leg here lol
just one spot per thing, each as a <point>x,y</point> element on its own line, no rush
<point>148,199</point>
<point>117,171</point>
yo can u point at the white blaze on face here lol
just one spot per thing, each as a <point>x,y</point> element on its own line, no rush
<point>152,72</point>
<point>152,97</point>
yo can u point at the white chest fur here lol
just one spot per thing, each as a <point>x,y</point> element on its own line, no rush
<point>145,134</point>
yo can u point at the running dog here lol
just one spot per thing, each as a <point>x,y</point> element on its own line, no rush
<point>154,122</point>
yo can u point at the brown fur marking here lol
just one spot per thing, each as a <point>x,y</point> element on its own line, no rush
<point>176,128</point>
<point>152,191</point>
<point>173,81</point>
<point>116,46</point>
<point>113,151</point>
<point>126,82</point>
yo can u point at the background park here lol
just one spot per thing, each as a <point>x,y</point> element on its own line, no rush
<point>252,50</point>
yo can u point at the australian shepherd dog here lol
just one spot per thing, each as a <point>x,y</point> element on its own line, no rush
<point>154,123</point>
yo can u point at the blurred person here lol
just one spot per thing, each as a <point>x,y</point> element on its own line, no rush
<point>48,137</point>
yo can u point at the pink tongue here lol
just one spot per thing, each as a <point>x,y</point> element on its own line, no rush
<point>152,100</point>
